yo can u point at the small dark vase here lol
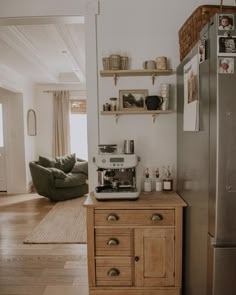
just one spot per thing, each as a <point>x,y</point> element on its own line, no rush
<point>153,102</point>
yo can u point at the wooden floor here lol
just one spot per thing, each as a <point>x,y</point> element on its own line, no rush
<point>36,269</point>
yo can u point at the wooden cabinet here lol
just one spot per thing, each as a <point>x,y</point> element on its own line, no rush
<point>154,257</point>
<point>135,247</point>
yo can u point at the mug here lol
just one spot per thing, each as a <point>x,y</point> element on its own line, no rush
<point>153,102</point>
<point>149,64</point>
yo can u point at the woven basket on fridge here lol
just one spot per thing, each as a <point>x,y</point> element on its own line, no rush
<point>189,33</point>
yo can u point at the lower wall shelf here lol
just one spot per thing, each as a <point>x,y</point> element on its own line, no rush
<point>146,112</point>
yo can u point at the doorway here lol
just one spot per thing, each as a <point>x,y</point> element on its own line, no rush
<point>46,14</point>
<point>78,128</point>
<point>49,53</point>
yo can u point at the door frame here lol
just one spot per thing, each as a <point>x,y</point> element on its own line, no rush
<point>3,101</point>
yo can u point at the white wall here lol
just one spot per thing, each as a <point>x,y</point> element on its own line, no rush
<point>19,95</point>
<point>142,30</point>
<point>15,142</point>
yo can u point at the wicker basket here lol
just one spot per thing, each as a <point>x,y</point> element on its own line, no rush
<point>189,33</point>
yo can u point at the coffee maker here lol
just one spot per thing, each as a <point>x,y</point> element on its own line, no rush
<point>116,176</point>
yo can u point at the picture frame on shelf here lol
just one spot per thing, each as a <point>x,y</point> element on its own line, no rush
<point>132,100</point>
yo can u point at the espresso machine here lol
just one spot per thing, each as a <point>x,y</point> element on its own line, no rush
<point>116,176</point>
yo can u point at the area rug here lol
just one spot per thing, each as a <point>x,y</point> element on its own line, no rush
<point>64,224</point>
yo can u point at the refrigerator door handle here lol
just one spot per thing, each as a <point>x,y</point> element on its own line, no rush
<point>222,244</point>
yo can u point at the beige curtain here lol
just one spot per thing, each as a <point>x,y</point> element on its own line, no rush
<point>61,128</point>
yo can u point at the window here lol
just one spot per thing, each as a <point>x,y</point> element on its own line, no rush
<point>78,128</point>
<point>1,126</point>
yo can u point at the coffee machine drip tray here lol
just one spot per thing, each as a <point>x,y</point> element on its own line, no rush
<point>115,194</point>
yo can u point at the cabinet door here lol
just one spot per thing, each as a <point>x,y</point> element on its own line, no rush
<point>154,257</point>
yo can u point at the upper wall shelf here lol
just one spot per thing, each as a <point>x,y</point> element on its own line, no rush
<point>129,73</point>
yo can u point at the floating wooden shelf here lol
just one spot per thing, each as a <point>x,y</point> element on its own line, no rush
<point>130,73</point>
<point>146,112</point>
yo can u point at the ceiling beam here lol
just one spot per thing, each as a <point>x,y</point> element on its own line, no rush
<point>73,52</point>
<point>17,40</point>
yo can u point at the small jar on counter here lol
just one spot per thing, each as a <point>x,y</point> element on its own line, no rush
<point>113,104</point>
<point>157,181</point>
<point>167,181</point>
<point>147,185</point>
<point>106,107</point>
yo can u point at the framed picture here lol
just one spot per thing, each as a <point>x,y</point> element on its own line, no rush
<point>226,65</point>
<point>202,51</point>
<point>132,100</point>
<point>31,123</point>
<point>191,95</point>
<point>226,46</point>
<point>226,22</point>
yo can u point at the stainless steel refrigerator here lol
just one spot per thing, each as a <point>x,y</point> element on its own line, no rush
<point>206,170</point>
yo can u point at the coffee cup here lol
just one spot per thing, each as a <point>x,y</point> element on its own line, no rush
<point>149,64</point>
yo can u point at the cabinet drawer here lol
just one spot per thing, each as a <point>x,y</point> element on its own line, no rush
<point>113,242</point>
<point>134,217</point>
<point>113,271</point>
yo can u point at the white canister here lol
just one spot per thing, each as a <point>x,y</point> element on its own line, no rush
<point>147,187</point>
<point>165,86</point>
<point>164,93</point>
<point>165,104</point>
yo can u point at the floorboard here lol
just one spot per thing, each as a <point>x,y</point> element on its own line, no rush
<point>38,269</point>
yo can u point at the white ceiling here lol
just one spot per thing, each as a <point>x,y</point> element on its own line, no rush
<point>48,53</point>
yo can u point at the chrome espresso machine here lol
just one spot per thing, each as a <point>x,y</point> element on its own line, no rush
<point>116,176</point>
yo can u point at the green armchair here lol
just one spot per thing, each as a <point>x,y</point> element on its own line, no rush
<point>60,179</point>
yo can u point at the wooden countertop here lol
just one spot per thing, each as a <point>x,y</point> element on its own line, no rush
<point>145,200</point>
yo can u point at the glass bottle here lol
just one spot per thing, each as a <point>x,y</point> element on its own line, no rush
<point>167,180</point>
<point>158,181</point>
<point>147,182</point>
